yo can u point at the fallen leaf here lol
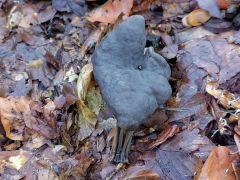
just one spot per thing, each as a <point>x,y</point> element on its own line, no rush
<point>77,6</point>
<point>237,140</point>
<point>3,29</point>
<point>89,102</point>
<point>35,63</point>
<point>227,99</point>
<point>43,119</point>
<point>78,165</point>
<point>70,75</point>
<point>110,11</point>
<point>223,4</point>
<point>14,159</point>
<point>211,6</point>
<point>219,164</point>
<point>196,18</point>
<point>17,161</point>
<point>60,5</point>
<point>143,5</point>
<point>45,15</point>
<point>14,18</point>
<point>13,113</point>
<point>93,38</point>
<point>31,39</point>
<point>189,141</point>
<point>167,133</point>
<point>143,174</point>
<point>52,60</point>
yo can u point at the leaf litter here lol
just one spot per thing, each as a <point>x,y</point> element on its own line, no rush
<point>54,121</point>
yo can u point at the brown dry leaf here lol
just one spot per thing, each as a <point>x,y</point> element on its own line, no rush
<point>24,164</point>
<point>237,140</point>
<point>227,99</point>
<point>13,112</point>
<point>17,113</point>
<point>3,28</point>
<point>89,102</point>
<point>31,39</point>
<point>167,133</point>
<point>43,119</point>
<point>143,5</point>
<point>143,174</point>
<point>219,165</point>
<point>46,14</point>
<point>189,141</point>
<point>110,11</point>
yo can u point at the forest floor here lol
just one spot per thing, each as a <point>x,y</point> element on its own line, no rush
<point>54,123</point>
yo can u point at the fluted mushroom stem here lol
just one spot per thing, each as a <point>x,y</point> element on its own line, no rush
<point>121,145</point>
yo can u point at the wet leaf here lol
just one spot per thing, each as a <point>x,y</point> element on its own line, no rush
<point>219,164</point>
<point>110,11</point>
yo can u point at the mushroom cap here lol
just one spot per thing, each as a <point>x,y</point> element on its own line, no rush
<point>133,82</point>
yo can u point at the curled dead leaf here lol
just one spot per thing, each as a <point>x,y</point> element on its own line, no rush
<point>167,133</point>
<point>143,174</point>
<point>219,164</point>
<point>110,11</point>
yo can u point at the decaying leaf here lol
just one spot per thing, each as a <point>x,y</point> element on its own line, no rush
<point>227,99</point>
<point>167,133</point>
<point>110,11</point>
<point>89,102</point>
<point>143,174</point>
<point>219,165</point>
